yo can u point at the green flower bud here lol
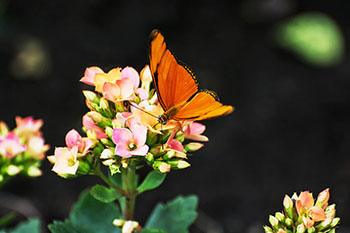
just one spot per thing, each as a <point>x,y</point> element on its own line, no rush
<point>119,107</point>
<point>280,216</point>
<point>288,222</point>
<point>157,150</point>
<point>95,116</point>
<point>268,229</point>
<point>288,206</point>
<point>178,164</point>
<point>109,131</point>
<point>335,222</point>
<point>98,149</point>
<point>84,168</point>
<point>193,146</point>
<point>118,222</point>
<point>273,221</point>
<point>161,166</point>
<point>152,138</point>
<point>301,228</point>
<point>311,230</point>
<point>13,170</point>
<point>331,231</point>
<point>91,96</point>
<point>150,158</point>
<point>34,171</point>
<point>1,178</point>
<point>168,155</point>
<point>107,154</point>
<point>180,136</point>
<point>107,142</point>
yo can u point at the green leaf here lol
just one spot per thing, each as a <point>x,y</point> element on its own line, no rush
<point>4,220</point>
<point>92,215</point>
<point>89,215</point>
<point>175,216</point>
<point>32,226</point>
<point>65,227</point>
<point>152,181</point>
<point>314,37</point>
<point>104,194</point>
<point>152,230</point>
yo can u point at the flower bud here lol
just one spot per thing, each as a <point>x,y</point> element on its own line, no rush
<point>301,228</point>
<point>273,221</point>
<point>311,230</point>
<point>84,167</point>
<point>288,206</point>
<point>152,138</point>
<point>98,148</point>
<point>281,231</point>
<point>107,142</point>
<point>180,136</point>
<point>157,150</point>
<point>323,198</point>
<point>34,171</point>
<point>288,222</point>
<point>129,226</point>
<point>168,155</point>
<point>268,229</point>
<point>109,131</point>
<point>3,128</point>
<point>125,163</point>
<point>107,154</point>
<point>335,222</point>
<point>13,170</point>
<point>91,96</point>
<point>324,224</point>
<point>119,107</point>
<point>118,222</point>
<point>178,164</point>
<point>193,146</point>
<point>280,216</point>
<point>161,166</point>
<point>146,78</point>
<point>95,116</point>
<point>149,157</point>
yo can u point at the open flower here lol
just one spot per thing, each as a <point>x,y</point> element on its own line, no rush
<point>11,146</point>
<point>36,147</point>
<point>73,139</point>
<point>194,130</point>
<point>175,145</point>
<point>27,126</point>
<point>65,160</point>
<point>118,91</point>
<point>129,143</point>
<point>89,75</point>
<point>306,209</point>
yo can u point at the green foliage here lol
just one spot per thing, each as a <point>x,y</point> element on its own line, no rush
<point>175,216</point>
<point>151,230</point>
<point>32,226</point>
<point>153,180</point>
<point>314,37</point>
<point>104,194</point>
<point>89,216</point>
<point>4,220</point>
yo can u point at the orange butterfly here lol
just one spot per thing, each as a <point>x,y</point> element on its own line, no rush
<point>177,87</point>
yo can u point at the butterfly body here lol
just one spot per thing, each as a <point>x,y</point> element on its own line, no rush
<point>177,87</point>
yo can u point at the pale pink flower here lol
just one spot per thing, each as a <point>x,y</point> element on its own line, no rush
<point>142,93</point>
<point>36,147</point>
<point>130,142</point>
<point>90,125</point>
<point>124,119</point>
<point>194,130</point>
<point>27,126</point>
<point>118,91</point>
<point>65,160</point>
<point>131,74</point>
<point>89,75</point>
<point>10,146</point>
<point>111,77</point>
<point>73,138</point>
<point>146,78</point>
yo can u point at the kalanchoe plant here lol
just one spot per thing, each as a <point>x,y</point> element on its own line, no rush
<point>21,149</point>
<point>123,133</point>
<point>302,214</point>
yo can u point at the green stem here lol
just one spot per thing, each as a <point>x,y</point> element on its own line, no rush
<point>107,181</point>
<point>129,185</point>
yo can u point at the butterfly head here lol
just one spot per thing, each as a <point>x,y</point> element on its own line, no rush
<point>163,119</point>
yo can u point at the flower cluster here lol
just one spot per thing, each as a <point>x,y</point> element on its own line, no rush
<point>122,127</point>
<point>22,149</point>
<point>301,214</point>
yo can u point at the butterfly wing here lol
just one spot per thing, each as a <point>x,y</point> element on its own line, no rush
<point>203,105</point>
<point>175,82</point>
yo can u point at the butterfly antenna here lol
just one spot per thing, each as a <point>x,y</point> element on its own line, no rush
<point>143,110</point>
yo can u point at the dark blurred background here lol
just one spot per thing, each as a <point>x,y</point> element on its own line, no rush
<point>290,131</point>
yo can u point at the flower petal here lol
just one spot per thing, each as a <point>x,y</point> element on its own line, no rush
<point>73,138</point>
<point>142,93</point>
<point>131,74</point>
<point>122,150</point>
<point>89,75</point>
<point>121,135</point>
<point>140,134</point>
<point>126,88</point>
<point>143,150</point>
<point>111,91</point>
<point>317,213</point>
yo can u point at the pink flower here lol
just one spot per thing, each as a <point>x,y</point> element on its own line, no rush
<point>89,75</point>
<point>142,93</point>
<point>28,125</point>
<point>65,160</point>
<point>73,138</point>
<point>129,143</point>
<point>36,147</point>
<point>194,130</point>
<point>307,210</point>
<point>173,144</point>
<point>90,125</point>
<point>131,74</point>
<point>118,91</point>
<point>11,146</point>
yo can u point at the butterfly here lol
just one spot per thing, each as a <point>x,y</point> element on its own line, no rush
<point>177,87</point>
